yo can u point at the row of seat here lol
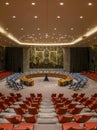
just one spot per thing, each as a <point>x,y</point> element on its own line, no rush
<point>4,74</point>
<point>79,82</point>
<point>72,121</point>
<point>90,103</point>
<point>89,74</point>
<point>7,101</point>
<point>12,81</point>
<point>20,126</point>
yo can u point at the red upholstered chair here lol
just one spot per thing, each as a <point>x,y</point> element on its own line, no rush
<point>39,95</point>
<point>14,119</point>
<point>91,125</point>
<point>60,95</point>
<point>32,95</point>
<point>19,95</point>
<point>93,105</point>
<point>3,105</point>
<point>75,110</point>
<point>67,125</point>
<point>23,105</point>
<point>65,118</point>
<point>33,110</point>
<point>19,110</point>
<point>8,102</point>
<point>35,105</point>
<point>61,110</point>
<point>58,105</point>
<point>75,95</point>
<point>29,99</point>
<point>27,102</point>
<point>96,110</point>
<point>77,128</point>
<point>6,126</point>
<point>25,126</point>
<point>69,106</point>
<point>53,95</point>
<point>30,118</point>
<point>82,118</point>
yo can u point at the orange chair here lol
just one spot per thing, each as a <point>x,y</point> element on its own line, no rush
<point>58,105</point>
<point>91,125</point>
<point>77,128</point>
<point>61,110</point>
<point>27,102</point>
<point>23,105</point>
<point>19,95</point>
<point>93,105</point>
<point>33,110</point>
<point>53,95</point>
<point>75,110</point>
<point>75,95</point>
<point>82,118</point>
<point>3,105</point>
<point>39,95</point>
<point>30,118</point>
<point>65,118</point>
<point>60,95</point>
<point>32,95</point>
<point>14,119</point>
<point>25,126</point>
<point>6,126</point>
<point>67,125</point>
<point>19,110</point>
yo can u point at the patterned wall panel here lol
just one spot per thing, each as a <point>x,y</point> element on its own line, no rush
<point>46,57</point>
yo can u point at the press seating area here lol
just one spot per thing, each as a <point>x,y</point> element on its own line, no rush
<point>79,82</point>
<point>12,81</point>
<point>4,74</point>
<point>70,113</point>
<point>91,75</point>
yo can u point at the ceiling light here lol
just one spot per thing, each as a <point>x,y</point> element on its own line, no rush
<point>71,28</point>
<point>22,28</point>
<point>7,3</point>
<point>55,29</point>
<point>58,17</point>
<point>14,17</point>
<point>35,17</point>
<point>81,17</point>
<point>61,3</point>
<point>38,28</point>
<point>90,4</point>
<point>33,3</point>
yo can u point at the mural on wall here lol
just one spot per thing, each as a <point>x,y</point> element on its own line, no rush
<point>46,57</point>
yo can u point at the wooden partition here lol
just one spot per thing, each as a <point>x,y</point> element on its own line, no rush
<point>27,79</point>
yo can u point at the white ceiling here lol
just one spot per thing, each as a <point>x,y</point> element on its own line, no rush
<point>47,28</point>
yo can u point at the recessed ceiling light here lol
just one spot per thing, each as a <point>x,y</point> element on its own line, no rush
<point>22,28</point>
<point>71,28</point>
<point>61,3</point>
<point>14,17</point>
<point>55,29</point>
<point>58,17</point>
<point>81,17</point>
<point>33,3</point>
<point>7,3</point>
<point>38,28</point>
<point>90,4</point>
<point>36,17</point>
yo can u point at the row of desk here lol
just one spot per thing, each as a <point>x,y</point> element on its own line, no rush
<point>28,79</point>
